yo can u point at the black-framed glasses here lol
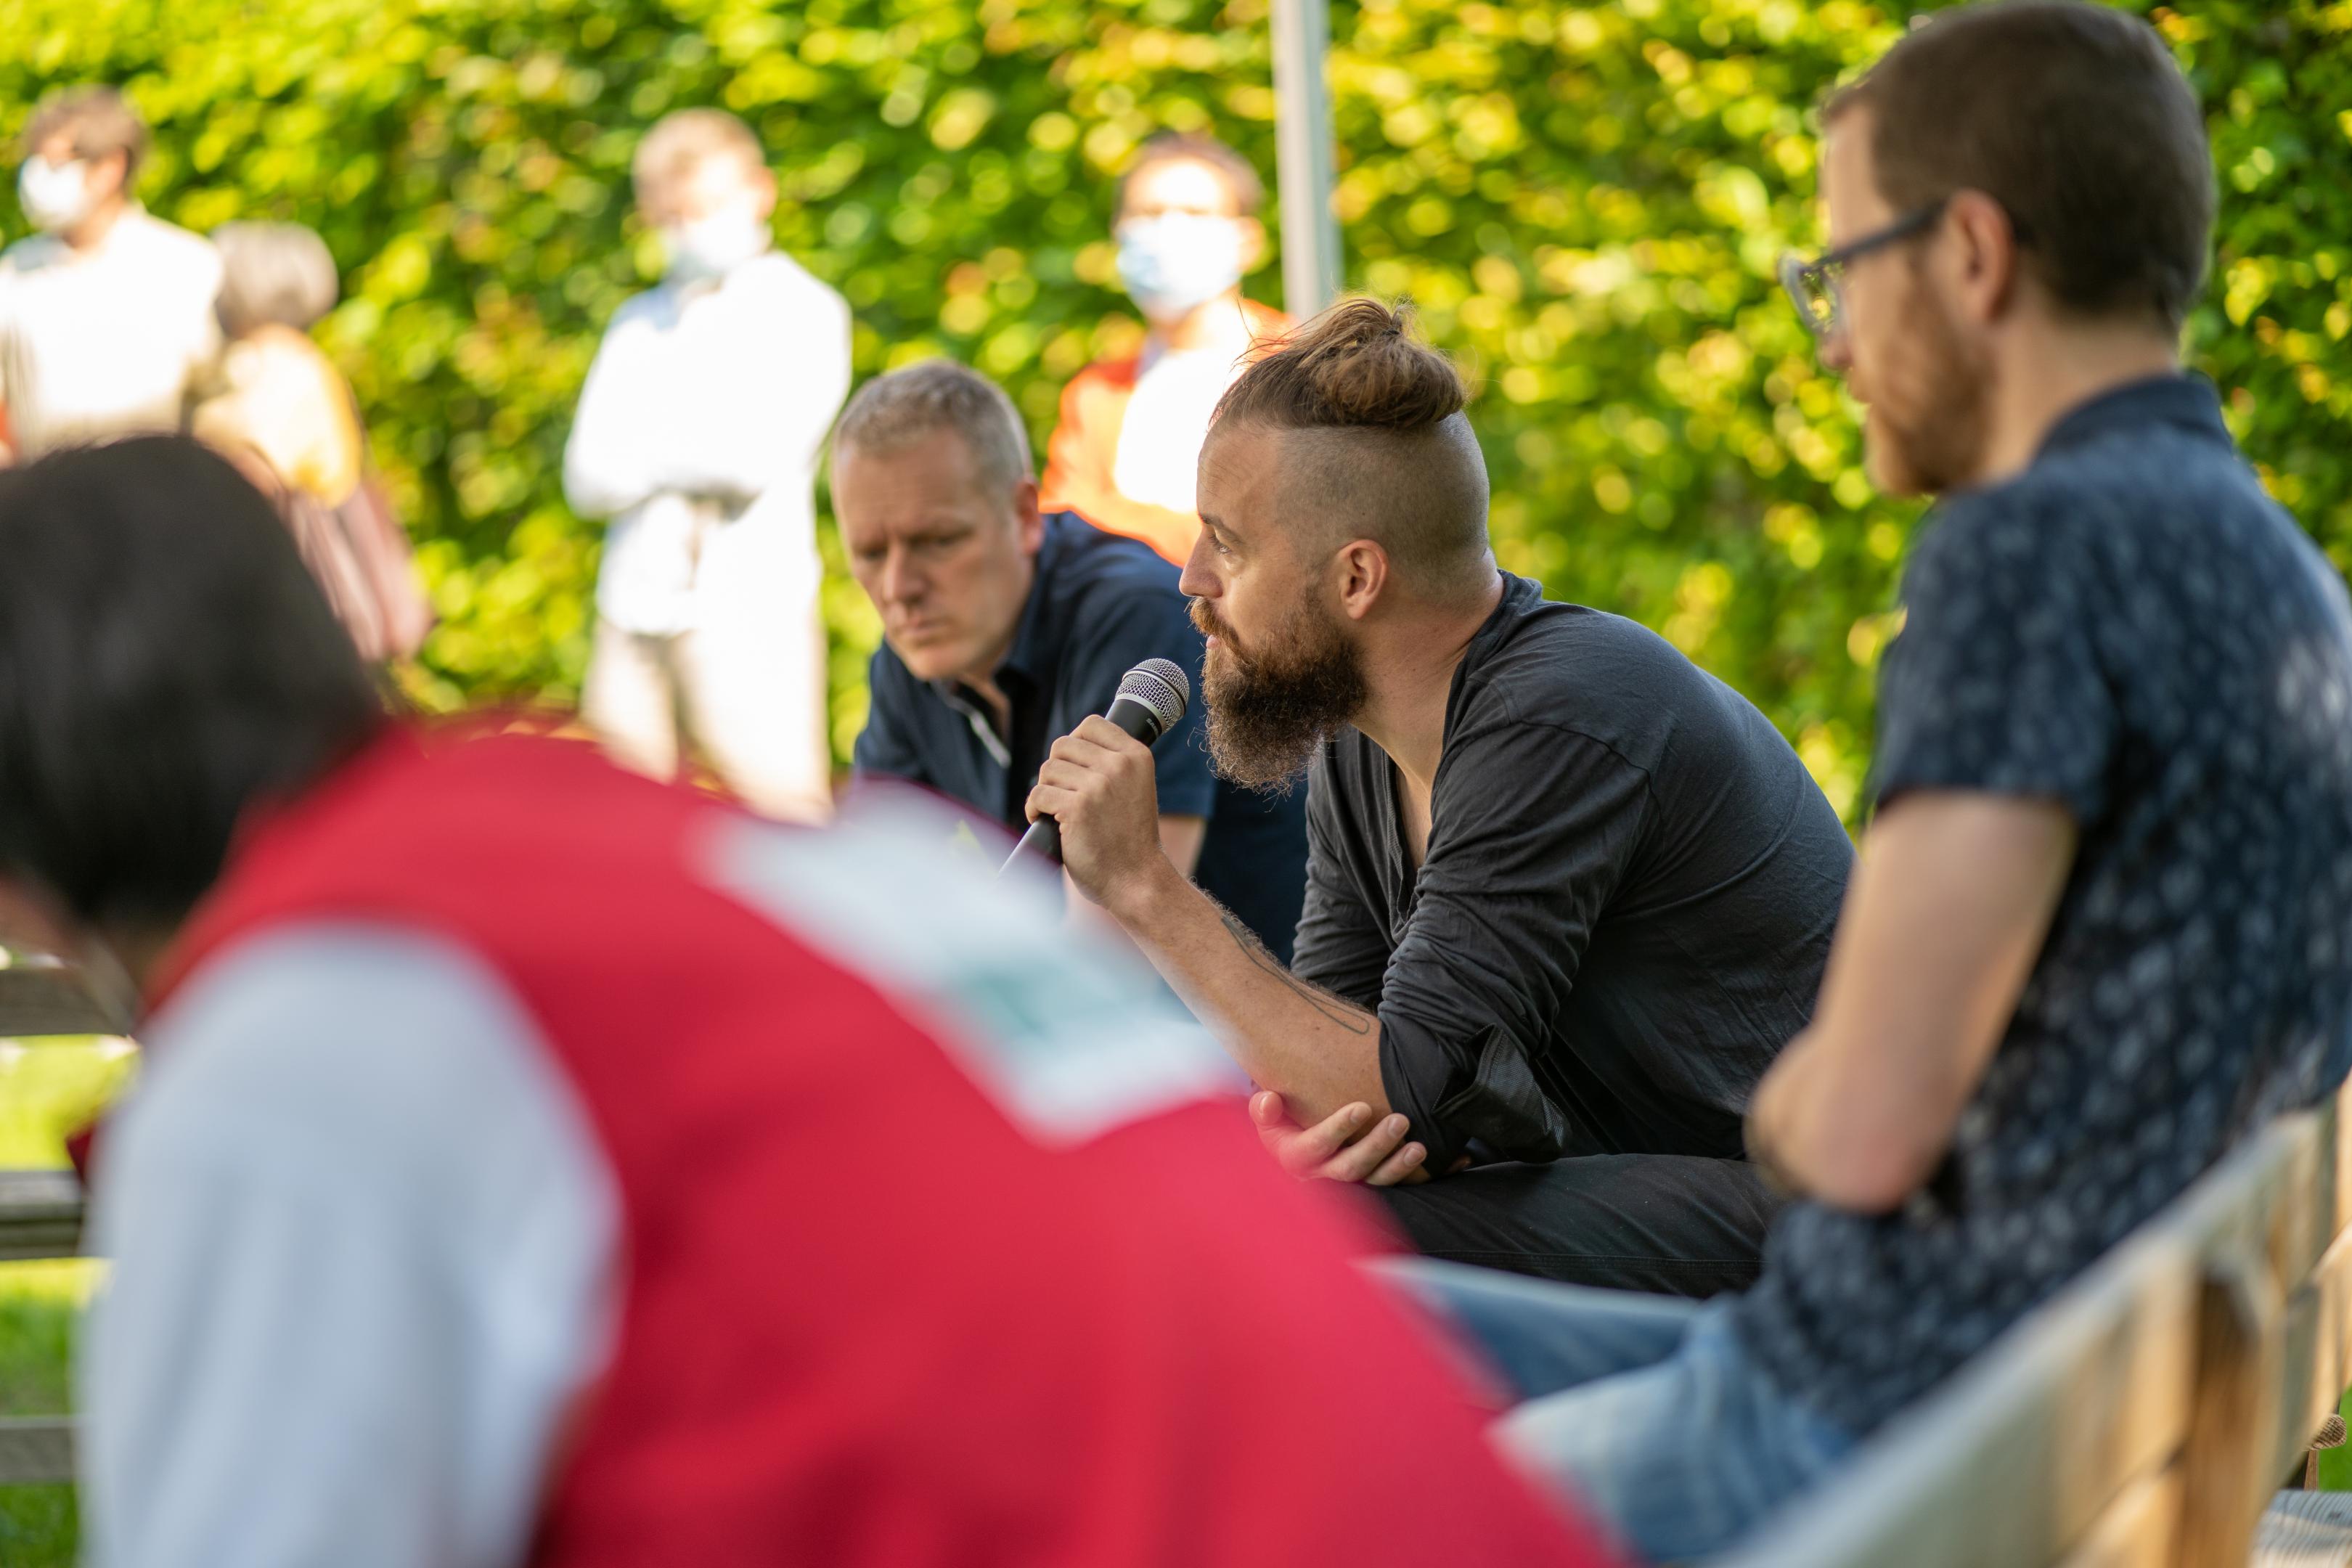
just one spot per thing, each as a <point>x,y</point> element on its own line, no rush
<point>1817,288</point>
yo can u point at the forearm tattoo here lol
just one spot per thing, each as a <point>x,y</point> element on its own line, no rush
<point>1355,1020</point>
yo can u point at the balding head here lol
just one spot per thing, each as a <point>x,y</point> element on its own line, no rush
<point>1367,440</point>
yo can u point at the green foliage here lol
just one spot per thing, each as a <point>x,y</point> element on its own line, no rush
<point>1585,200</point>
<point>47,1089</point>
<point>38,1302</point>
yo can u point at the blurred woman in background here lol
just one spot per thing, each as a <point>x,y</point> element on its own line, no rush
<point>277,407</point>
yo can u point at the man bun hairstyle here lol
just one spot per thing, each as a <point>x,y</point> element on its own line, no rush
<point>1379,445</point>
<point>1356,366</point>
<point>2073,116</point>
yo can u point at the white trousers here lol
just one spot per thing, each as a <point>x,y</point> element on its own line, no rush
<point>746,691</point>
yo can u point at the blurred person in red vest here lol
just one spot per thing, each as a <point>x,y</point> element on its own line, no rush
<point>105,313</point>
<point>1130,431</point>
<point>537,1163</point>
<point>277,407</point>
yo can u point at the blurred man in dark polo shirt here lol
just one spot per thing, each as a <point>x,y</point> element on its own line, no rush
<point>1004,628</point>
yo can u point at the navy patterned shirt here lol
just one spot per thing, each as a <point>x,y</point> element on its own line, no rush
<point>2133,629</point>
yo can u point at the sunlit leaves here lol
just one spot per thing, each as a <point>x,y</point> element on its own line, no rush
<point>1585,201</point>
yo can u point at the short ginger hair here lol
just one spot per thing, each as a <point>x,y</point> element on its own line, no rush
<point>2076,119</point>
<point>682,141</point>
<point>1241,176</point>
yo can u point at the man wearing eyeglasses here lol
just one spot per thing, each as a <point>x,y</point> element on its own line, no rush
<point>2100,927</point>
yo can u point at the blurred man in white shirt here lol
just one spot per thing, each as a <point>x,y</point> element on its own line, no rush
<point>698,434</point>
<point>106,314</point>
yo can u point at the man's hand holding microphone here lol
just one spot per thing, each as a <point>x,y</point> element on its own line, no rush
<point>1097,798</point>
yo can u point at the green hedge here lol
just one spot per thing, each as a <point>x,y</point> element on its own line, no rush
<point>1585,200</point>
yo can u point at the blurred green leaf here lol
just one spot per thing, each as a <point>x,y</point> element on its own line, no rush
<point>1584,200</point>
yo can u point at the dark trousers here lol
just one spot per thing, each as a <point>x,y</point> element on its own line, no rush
<point>1669,1223</point>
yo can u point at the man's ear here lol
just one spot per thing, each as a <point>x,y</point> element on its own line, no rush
<point>1362,568</point>
<point>1027,518</point>
<point>1985,255</point>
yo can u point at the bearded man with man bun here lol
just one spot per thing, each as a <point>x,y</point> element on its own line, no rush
<point>1566,893</point>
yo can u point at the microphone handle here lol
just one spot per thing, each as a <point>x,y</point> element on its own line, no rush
<point>1041,845</point>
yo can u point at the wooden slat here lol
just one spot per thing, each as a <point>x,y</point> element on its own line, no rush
<point>46,1001</point>
<point>2025,1451</point>
<point>2255,1226</point>
<point>36,1449</point>
<point>2226,1464</point>
<point>40,1214</point>
<point>2138,1531</point>
<point>2318,1366</point>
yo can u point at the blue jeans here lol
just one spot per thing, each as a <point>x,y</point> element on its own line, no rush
<point>1646,1410</point>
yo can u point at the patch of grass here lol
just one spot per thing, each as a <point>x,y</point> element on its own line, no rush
<point>47,1089</point>
<point>40,1526</point>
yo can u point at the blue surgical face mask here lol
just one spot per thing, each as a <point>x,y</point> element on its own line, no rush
<point>715,246</point>
<point>1175,262</point>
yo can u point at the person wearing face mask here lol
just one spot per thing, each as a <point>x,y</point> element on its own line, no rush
<point>697,435</point>
<point>1123,452</point>
<point>106,314</point>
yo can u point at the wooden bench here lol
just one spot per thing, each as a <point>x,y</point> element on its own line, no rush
<point>41,1211</point>
<point>2147,1414</point>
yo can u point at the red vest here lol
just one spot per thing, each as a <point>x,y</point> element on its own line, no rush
<point>864,1320</point>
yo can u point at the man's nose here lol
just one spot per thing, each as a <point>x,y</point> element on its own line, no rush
<point>1837,351</point>
<point>1198,580</point>
<point>902,583</point>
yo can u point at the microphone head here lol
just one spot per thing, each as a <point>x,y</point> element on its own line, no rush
<point>1161,686</point>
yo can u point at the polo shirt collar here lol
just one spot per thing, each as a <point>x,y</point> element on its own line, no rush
<point>1034,650</point>
<point>2188,402</point>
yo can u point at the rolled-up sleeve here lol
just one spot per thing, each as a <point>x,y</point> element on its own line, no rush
<point>1535,825</point>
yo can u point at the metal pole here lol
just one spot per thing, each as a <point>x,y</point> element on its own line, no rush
<point>1303,168</point>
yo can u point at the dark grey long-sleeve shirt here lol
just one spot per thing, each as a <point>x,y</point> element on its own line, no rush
<point>1626,903</point>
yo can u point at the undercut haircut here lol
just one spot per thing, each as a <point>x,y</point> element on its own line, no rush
<point>1384,450</point>
<point>2076,119</point>
<point>167,666</point>
<point>99,120</point>
<point>683,141</point>
<point>1190,147</point>
<point>894,412</point>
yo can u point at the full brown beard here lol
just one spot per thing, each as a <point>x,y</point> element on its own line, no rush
<point>1270,708</point>
<point>1931,407</point>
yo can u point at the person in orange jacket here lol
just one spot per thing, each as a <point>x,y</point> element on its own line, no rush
<point>1130,435</point>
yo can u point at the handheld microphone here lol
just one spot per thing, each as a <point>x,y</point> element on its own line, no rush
<point>1151,700</point>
